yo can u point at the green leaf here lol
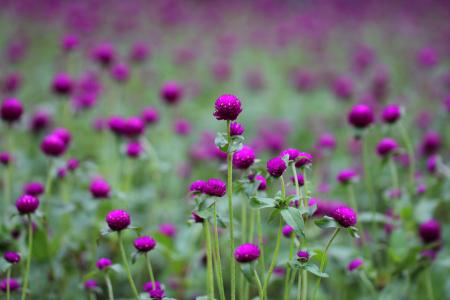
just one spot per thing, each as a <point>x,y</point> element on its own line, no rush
<point>353,232</point>
<point>135,256</point>
<point>248,271</point>
<point>262,202</point>
<point>327,222</point>
<point>368,217</point>
<point>90,275</point>
<point>236,143</point>
<point>221,141</point>
<point>314,269</point>
<point>4,265</point>
<point>105,231</point>
<point>117,268</point>
<point>294,219</point>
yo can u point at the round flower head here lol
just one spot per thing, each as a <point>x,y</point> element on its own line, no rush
<point>52,145</point>
<point>12,83</point>
<point>139,52</point>
<point>262,182</point>
<point>432,164</point>
<point>236,129</point>
<point>346,176</point>
<point>355,264</point>
<point>386,146</point>
<point>391,113</point>
<point>61,172</point>
<point>69,42</point>
<point>99,188</point>
<point>345,216</point>
<point>303,159</point>
<point>276,167</point>
<point>326,141</point>
<point>40,121</point>
<point>215,187</point>
<point>303,255</point>
<point>90,284</point>
<point>144,244</point>
<point>117,125</point>
<point>62,84</point>
<point>246,253</point>
<point>13,284</point>
<point>343,88</point>
<point>228,107</point>
<point>197,186</point>
<point>27,204</point>
<point>171,92</point>
<point>430,231</point>
<point>150,115</point>
<point>360,116</point>
<point>118,220</point>
<point>104,54</point>
<point>133,127</point>
<point>12,257</point>
<point>103,263</point>
<point>72,164</point>
<point>5,158</point>
<point>244,158</point>
<point>120,72</point>
<point>427,57</point>
<point>168,229</point>
<point>134,149</point>
<point>287,231</point>
<point>33,188</point>
<point>63,134</point>
<point>431,142</point>
<point>291,153</point>
<point>11,110</point>
<point>182,127</point>
<point>154,289</point>
<point>300,179</point>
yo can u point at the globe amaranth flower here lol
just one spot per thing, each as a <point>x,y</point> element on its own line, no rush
<point>53,145</point>
<point>134,127</point>
<point>300,179</point>
<point>432,164</point>
<point>103,263</point>
<point>99,188</point>
<point>361,116</point>
<point>12,257</point>
<point>343,88</point>
<point>391,113</point>
<point>427,57</point>
<point>154,289</point>
<point>40,121</point>
<point>61,173</point>
<point>430,231</point>
<point>244,158</point>
<point>355,264</point>
<point>345,216</point>
<point>11,110</point>
<point>182,127</point>
<point>431,142</point>
<point>62,84</point>
<point>236,129</point>
<point>291,153</point>
<point>262,182</point>
<point>33,188</point>
<point>168,229</point>
<point>171,92</point>
<point>5,158</point>
<point>118,220</point>
<point>11,83</point>
<point>144,244</point>
<point>386,147</point>
<point>63,134</point>
<point>104,54</point>
<point>117,125</point>
<point>72,164</point>
<point>326,141</point>
<point>120,72</point>
<point>13,284</point>
<point>134,149</point>
<point>150,115</point>
<point>69,42</point>
<point>139,52</point>
<point>276,167</point>
<point>303,159</point>
<point>227,107</point>
<point>287,231</point>
<point>346,176</point>
<point>27,204</point>
<point>303,255</point>
<point>215,187</point>
<point>197,186</point>
<point>246,253</point>
<point>90,284</point>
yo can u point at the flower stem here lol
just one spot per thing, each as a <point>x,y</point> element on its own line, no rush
<point>230,212</point>
<point>410,150</point>
<point>304,285</point>
<point>242,280</point>
<point>323,260</point>
<point>258,282</point>
<point>429,285</point>
<point>7,189</point>
<point>216,257</point>
<point>394,174</point>
<point>209,266</point>
<point>368,179</point>
<point>127,267</point>
<point>260,241</point>
<point>288,270</point>
<point>299,285</point>
<point>109,287</point>
<point>274,257</point>
<point>150,269</point>
<point>30,252</point>
<point>8,279</point>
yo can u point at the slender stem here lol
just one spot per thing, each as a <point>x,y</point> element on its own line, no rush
<point>242,280</point>
<point>7,188</point>
<point>299,286</point>
<point>217,259</point>
<point>251,231</point>
<point>274,257</point>
<point>230,212</point>
<point>109,287</point>
<point>260,242</point>
<point>30,252</point>
<point>258,282</point>
<point>394,174</point>
<point>149,268</point>
<point>8,282</point>
<point>323,260</point>
<point>92,296</point>
<point>368,179</point>
<point>297,186</point>
<point>48,189</point>
<point>288,269</point>
<point>368,283</point>
<point>429,285</point>
<point>127,267</point>
<point>209,263</point>
<point>305,284</point>
<point>410,150</point>
<point>354,203</point>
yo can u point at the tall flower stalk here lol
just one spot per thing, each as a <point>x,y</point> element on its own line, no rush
<point>127,266</point>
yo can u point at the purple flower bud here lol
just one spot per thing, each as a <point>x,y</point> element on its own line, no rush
<point>12,83</point>
<point>287,231</point>
<point>117,125</point>
<point>292,153</point>
<point>99,188</point>
<point>12,257</point>
<point>11,110</point>
<point>63,134</point>
<point>197,186</point>
<point>244,158</point>
<point>326,141</point>
<point>343,88</point>
<point>120,72</point>
<point>40,121</point>
<point>303,159</point>
<point>27,204</point>
<point>154,289</point>
<point>430,231</point>
<point>118,220</point>
<point>5,158</point>
<point>276,167</point>
<point>431,142</point>
<point>432,164</point>
<point>262,182</point>
<point>171,92</point>
<point>33,188</point>
<point>90,284</point>
<point>61,173</point>
<point>144,244</point>
<point>134,127</point>
<point>215,187</point>
<point>303,255</point>
<point>391,113</point>
<point>427,57</point>
<point>139,52</point>
<point>345,216</point>
<point>355,264</point>
<point>246,253</point>
<point>103,263</point>
<point>236,129</point>
<point>150,115</point>
<point>168,229</point>
<point>13,284</point>
<point>53,145</point>
<point>104,54</point>
<point>346,176</point>
<point>72,164</point>
<point>62,84</point>
<point>300,179</point>
<point>69,42</point>
<point>227,107</point>
<point>134,149</point>
<point>361,116</point>
<point>386,147</point>
<point>182,127</point>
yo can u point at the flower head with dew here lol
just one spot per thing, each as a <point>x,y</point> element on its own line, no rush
<point>144,244</point>
<point>215,187</point>
<point>118,220</point>
<point>11,110</point>
<point>27,204</point>
<point>244,158</point>
<point>246,253</point>
<point>227,107</point>
<point>99,188</point>
<point>276,167</point>
<point>360,116</point>
<point>345,216</point>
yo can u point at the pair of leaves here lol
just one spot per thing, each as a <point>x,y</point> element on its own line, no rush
<point>329,222</point>
<point>293,218</point>
<point>310,267</point>
<point>236,144</point>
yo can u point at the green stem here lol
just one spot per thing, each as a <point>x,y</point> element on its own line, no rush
<point>304,285</point>
<point>260,241</point>
<point>429,285</point>
<point>8,277</point>
<point>7,189</point>
<point>354,203</point>
<point>127,267</point>
<point>217,259</point>
<point>297,186</point>
<point>274,257</point>
<point>288,269</point>
<point>109,287</point>
<point>251,231</point>
<point>299,286</point>
<point>323,260</point>
<point>368,179</point>
<point>149,268</point>
<point>410,150</point>
<point>30,252</point>
<point>230,212</point>
<point>243,240</point>
<point>258,282</point>
<point>394,174</point>
<point>368,283</point>
<point>209,266</point>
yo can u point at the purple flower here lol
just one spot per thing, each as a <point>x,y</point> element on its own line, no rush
<point>62,84</point>
<point>300,179</point>
<point>431,142</point>
<point>391,113</point>
<point>430,231</point>
<point>90,284</point>
<point>103,263</point>
<point>168,229</point>
<point>53,145</point>
<point>276,167</point>
<point>303,159</point>
<point>118,220</point>
<point>27,204</point>
<point>197,186</point>
<point>432,164</point>
<point>171,92</point>
<point>117,125</point>
<point>150,115</point>
<point>13,284</point>
<point>227,107</point>
<point>69,42</point>
<point>11,110</point>
<point>144,244</point>
<point>12,257</point>
<point>303,255</point>
<point>291,153</point>
<point>12,82</point>
<point>182,127</point>
<point>355,264</point>
<point>72,164</point>
<point>133,127</point>
<point>346,176</point>
<point>215,187</point>
<point>99,188</point>
<point>244,158</point>
<point>155,289</point>
<point>139,52</point>
<point>386,147</point>
<point>33,188</point>
<point>262,182</point>
<point>345,216</point>
<point>5,158</point>
<point>134,149</point>
<point>63,134</point>
<point>343,88</point>
<point>236,129</point>
<point>120,72</point>
<point>40,121</point>
<point>326,141</point>
<point>361,116</point>
<point>104,54</point>
<point>246,253</point>
<point>287,231</point>
<point>427,57</point>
